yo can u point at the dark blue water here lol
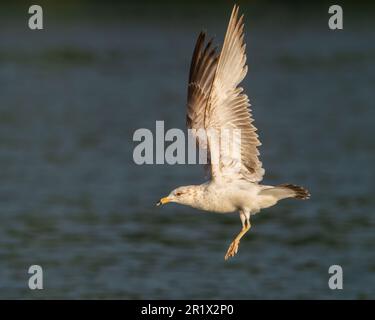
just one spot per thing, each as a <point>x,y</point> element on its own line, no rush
<point>73,201</point>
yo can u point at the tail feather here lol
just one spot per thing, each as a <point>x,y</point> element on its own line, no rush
<point>284,191</point>
<point>299,192</point>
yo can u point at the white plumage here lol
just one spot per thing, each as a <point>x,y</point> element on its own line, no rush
<point>216,103</point>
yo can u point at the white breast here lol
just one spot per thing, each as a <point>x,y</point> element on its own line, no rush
<point>229,197</point>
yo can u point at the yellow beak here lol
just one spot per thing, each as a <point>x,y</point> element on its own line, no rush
<point>163,201</point>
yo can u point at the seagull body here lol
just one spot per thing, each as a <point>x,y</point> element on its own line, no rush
<point>216,103</point>
<point>225,197</point>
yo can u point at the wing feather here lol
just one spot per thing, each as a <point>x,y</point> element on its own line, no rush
<point>202,71</point>
<point>229,108</point>
<point>217,103</point>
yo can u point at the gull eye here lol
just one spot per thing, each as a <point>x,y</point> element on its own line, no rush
<point>178,194</point>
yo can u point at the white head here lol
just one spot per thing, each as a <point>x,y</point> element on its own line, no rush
<point>183,195</point>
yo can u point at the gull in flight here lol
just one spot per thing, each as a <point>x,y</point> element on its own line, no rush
<point>216,102</point>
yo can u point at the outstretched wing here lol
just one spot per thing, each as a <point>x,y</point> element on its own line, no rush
<point>202,72</point>
<point>228,108</point>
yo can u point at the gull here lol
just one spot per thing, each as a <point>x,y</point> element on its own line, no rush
<point>217,103</point>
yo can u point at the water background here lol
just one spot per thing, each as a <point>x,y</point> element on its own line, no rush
<point>73,201</point>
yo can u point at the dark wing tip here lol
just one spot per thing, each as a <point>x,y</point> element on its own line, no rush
<point>196,53</point>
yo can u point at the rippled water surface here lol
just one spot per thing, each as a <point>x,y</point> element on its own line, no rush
<point>73,201</point>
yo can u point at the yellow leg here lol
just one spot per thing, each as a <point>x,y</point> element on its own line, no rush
<point>233,248</point>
